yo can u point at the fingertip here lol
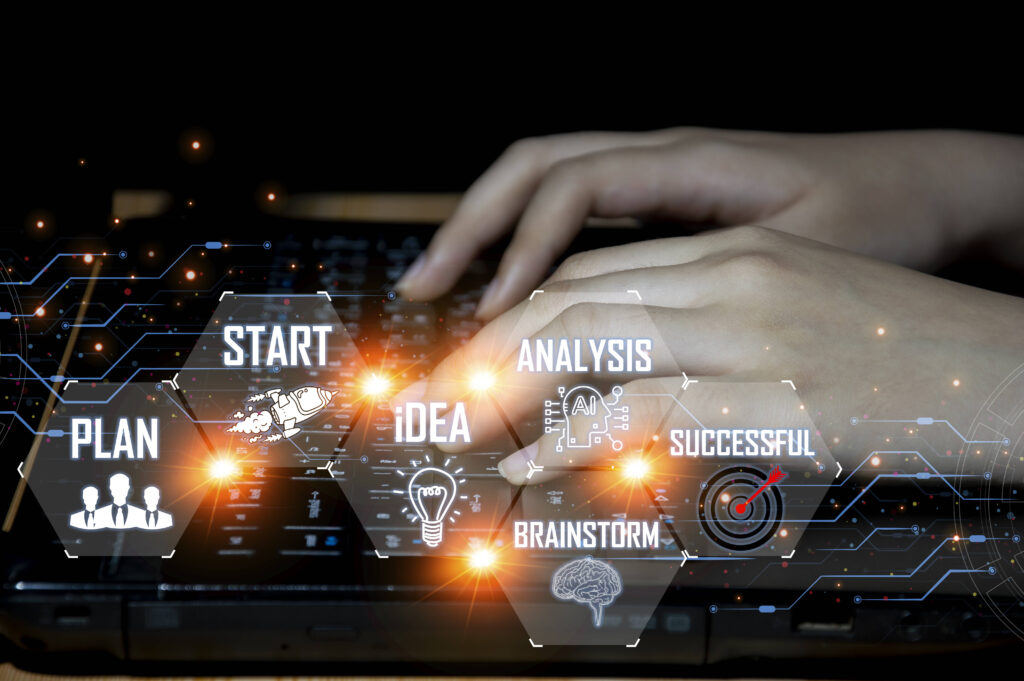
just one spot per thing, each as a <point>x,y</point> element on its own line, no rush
<point>516,466</point>
<point>407,282</point>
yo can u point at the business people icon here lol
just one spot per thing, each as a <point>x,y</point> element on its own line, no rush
<point>86,519</point>
<point>120,514</point>
<point>155,518</point>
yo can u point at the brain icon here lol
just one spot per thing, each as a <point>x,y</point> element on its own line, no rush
<point>588,582</point>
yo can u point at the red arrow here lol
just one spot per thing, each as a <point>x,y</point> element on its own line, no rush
<point>774,476</point>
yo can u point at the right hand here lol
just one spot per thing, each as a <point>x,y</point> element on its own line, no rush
<point>907,197</point>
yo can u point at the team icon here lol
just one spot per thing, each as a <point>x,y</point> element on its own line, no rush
<point>284,411</point>
<point>119,514</point>
<point>583,418</point>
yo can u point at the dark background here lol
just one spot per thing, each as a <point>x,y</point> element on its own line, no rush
<point>430,115</point>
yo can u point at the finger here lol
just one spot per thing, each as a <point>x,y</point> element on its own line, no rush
<point>606,431</point>
<point>518,393</point>
<point>492,204</point>
<point>702,184</point>
<point>567,195</point>
<point>691,284</point>
<point>640,255</point>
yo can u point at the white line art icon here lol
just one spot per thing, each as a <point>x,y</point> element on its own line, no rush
<point>119,514</point>
<point>86,519</point>
<point>287,411</point>
<point>584,418</point>
<point>431,494</point>
<point>589,582</point>
<point>155,518</point>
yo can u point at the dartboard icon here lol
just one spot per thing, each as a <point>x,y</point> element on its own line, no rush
<point>730,513</point>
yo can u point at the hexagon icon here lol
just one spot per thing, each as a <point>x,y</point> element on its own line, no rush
<point>740,505</point>
<point>585,558</point>
<point>120,470</point>
<point>272,379</point>
<point>413,498</point>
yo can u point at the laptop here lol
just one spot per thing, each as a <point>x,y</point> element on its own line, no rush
<point>275,572</point>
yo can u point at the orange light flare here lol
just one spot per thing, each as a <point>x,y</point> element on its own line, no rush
<point>482,559</point>
<point>376,385</point>
<point>482,381</point>
<point>636,468</point>
<point>223,469</point>
<point>190,275</point>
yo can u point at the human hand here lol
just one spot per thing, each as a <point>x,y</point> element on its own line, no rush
<point>907,197</point>
<point>857,335</point>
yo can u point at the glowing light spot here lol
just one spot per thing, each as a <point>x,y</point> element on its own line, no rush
<point>956,382</point>
<point>956,537</point>
<point>876,461</point>
<point>482,381</point>
<point>223,468</point>
<point>725,410</point>
<point>88,258</point>
<point>99,347</point>
<point>195,144</point>
<point>375,385</point>
<point>481,559</point>
<point>190,275</point>
<point>117,221</point>
<point>783,533</point>
<point>40,224</point>
<point>725,498</point>
<point>151,254</point>
<point>636,469</point>
<point>271,196</point>
<point>40,311</point>
<point>881,331</point>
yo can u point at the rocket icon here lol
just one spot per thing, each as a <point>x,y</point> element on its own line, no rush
<point>297,406</point>
<point>287,411</point>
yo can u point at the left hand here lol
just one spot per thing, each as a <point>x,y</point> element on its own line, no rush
<point>856,335</point>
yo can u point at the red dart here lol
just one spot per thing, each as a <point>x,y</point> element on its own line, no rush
<point>774,476</point>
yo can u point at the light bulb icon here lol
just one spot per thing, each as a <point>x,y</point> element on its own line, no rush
<point>431,493</point>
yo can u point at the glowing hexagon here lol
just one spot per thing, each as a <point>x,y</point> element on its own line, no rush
<point>274,379</point>
<point>120,470</point>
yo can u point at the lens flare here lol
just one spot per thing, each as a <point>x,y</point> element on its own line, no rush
<point>375,385</point>
<point>636,469</point>
<point>481,559</point>
<point>223,468</point>
<point>482,381</point>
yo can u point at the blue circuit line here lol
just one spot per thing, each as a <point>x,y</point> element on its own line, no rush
<point>45,267</point>
<point>126,278</point>
<point>23,422</point>
<point>927,421</point>
<point>115,313</point>
<point>849,576</point>
<point>927,593</point>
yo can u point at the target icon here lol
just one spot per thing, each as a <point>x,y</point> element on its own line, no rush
<point>734,514</point>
